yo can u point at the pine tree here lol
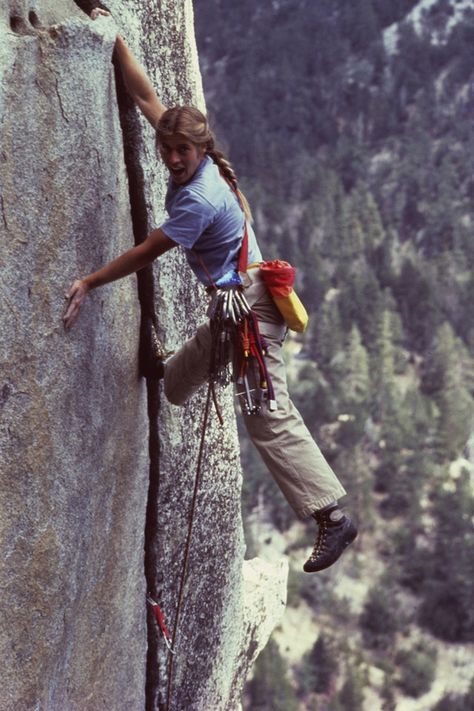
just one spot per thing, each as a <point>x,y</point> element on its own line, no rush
<point>354,371</point>
<point>417,305</point>
<point>270,689</point>
<point>319,667</point>
<point>385,395</point>
<point>379,619</point>
<point>369,217</point>
<point>455,402</point>
<point>351,695</point>
<point>448,585</point>
<point>361,302</point>
<point>327,337</point>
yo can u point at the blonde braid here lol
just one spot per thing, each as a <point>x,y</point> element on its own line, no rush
<point>227,171</point>
<point>223,164</point>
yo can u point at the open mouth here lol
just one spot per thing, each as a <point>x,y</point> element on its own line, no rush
<point>177,173</point>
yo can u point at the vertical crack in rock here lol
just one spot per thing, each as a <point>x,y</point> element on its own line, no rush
<point>132,139</point>
<point>63,113</point>
<point>2,210</point>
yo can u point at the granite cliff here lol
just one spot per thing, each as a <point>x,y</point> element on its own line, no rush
<point>97,468</point>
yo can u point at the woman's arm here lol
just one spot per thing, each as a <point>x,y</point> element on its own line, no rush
<point>137,82</point>
<point>156,243</point>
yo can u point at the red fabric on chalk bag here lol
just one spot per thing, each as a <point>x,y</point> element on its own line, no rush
<point>279,277</point>
<point>278,274</point>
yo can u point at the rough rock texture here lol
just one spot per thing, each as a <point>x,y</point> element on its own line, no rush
<point>95,465</point>
<point>73,411</point>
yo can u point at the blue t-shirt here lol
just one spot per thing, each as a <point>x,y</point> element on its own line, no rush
<point>206,219</point>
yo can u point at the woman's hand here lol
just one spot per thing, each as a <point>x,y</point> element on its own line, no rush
<point>98,11</point>
<point>76,295</point>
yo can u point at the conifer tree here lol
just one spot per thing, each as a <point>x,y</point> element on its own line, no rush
<point>385,396</point>
<point>327,336</point>
<point>319,667</point>
<point>379,620</point>
<point>270,688</point>
<point>351,695</point>
<point>369,217</point>
<point>455,402</point>
<point>448,585</point>
<point>355,378</point>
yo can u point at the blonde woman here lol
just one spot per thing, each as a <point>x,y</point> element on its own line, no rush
<point>207,217</point>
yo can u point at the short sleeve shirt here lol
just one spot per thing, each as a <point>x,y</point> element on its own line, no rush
<point>206,219</point>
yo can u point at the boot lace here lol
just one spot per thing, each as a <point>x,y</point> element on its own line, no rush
<point>321,540</point>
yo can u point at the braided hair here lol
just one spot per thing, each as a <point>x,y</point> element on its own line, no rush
<point>192,123</point>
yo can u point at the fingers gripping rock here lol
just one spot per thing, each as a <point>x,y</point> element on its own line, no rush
<point>88,6</point>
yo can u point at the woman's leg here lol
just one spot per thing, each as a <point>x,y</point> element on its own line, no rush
<point>188,369</point>
<point>287,447</point>
<point>281,437</point>
<point>289,451</point>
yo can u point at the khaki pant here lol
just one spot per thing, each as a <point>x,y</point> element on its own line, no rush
<point>284,442</point>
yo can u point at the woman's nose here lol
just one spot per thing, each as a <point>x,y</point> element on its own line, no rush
<point>174,158</point>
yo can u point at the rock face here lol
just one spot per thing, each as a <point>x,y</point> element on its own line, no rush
<point>96,467</point>
<point>74,428</point>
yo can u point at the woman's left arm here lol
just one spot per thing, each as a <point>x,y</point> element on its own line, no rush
<point>136,80</point>
<point>156,244</point>
<point>138,84</point>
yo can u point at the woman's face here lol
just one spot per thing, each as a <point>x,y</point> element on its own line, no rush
<point>181,157</point>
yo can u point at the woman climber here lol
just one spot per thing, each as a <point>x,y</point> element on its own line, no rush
<point>208,217</point>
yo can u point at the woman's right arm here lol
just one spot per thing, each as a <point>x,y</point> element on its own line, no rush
<point>156,244</point>
<point>138,84</point>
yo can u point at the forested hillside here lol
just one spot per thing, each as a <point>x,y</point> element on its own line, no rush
<point>350,123</point>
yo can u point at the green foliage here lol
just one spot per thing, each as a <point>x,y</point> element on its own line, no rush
<point>270,688</point>
<point>418,667</point>
<point>450,372</point>
<point>379,619</point>
<point>417,305</point>
<point>318,668</point>
<point>387,694</point>
<point>354,160</point>
<point>293,588</point>
<point>351,695</point>
<point>448,588</point>
<point>457,702</point>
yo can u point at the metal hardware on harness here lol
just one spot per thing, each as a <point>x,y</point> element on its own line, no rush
<point>236,336</point>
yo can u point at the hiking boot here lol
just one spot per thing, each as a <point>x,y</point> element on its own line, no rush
<point>336,532</point>
<point>151,354</point>
<point>154,370</point>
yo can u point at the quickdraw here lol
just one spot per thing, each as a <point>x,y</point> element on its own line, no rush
<point>160,621</point>
<point>236,338</point>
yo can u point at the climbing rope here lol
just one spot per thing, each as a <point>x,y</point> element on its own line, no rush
<point>184,571</point>
<point>235,336</point>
